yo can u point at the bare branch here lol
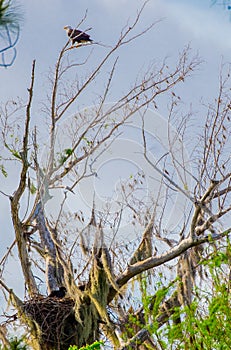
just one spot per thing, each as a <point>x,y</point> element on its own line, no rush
<point>15,199</point>
<point>184,245</point>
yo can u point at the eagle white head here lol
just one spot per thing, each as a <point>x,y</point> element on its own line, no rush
<point>67,28</point>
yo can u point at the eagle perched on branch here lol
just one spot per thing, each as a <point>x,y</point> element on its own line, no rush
<point>77,36</point>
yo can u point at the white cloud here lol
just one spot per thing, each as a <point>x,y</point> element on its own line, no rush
<point>210,24</point>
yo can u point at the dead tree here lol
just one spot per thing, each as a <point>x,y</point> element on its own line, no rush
<point>70,252</point>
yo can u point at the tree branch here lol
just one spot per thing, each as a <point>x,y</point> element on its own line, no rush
<point>141,266</point>
<point>15,199</point>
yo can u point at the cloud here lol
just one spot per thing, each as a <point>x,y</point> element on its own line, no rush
<point>202,23</point>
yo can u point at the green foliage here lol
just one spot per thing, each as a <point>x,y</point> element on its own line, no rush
<point>4,7</point>
<point>3,170</point>
<point>12,149</point>
<point>18,344</point>
<point>205,324</point>
<point>10,13</point>
<point>15,344</point>
<point>95,346</point>
<point>63,156</point>
<point>33,189</point>
<point>150,304</point>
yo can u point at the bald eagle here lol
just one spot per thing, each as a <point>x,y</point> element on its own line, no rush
<point>77,36</point>
<point>58,293</point>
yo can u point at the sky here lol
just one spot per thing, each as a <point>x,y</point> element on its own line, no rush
<point>42,35</point>
<point>206,28</point>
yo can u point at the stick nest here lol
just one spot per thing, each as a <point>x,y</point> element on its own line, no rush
<point>55,318</point>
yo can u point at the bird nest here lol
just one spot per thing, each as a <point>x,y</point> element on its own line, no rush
<point>55,318</point>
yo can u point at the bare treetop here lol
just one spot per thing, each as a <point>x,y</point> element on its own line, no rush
<point>89,250</point>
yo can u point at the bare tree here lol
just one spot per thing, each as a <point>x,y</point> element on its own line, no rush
<point>70,249</point>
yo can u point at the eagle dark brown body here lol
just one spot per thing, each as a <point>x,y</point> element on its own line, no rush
<point>77,36</point>
<point>58,293</point>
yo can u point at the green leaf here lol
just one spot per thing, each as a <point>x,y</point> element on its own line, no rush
<point>95,346</point>
<point>16,154</point>
<point>3,170</point>
<point>33,189</point>
<point>68,151</point>
<point>185,187</point>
